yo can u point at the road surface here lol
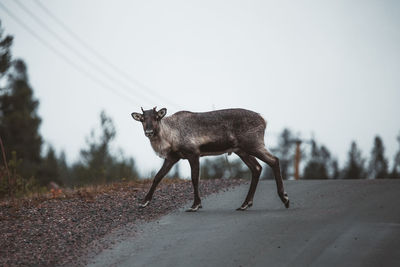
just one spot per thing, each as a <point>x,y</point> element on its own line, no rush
<point>329,223</point>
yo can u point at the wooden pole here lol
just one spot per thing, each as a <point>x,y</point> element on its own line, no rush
<point>297,158</point>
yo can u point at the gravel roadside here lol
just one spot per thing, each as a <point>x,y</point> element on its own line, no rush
<point>62,231</point>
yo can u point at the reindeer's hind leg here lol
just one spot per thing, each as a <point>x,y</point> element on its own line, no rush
<point>255,169</point>
<point>263,154</point>
<point>195,169</point>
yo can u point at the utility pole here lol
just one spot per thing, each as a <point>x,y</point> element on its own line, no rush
<point>297,159</point>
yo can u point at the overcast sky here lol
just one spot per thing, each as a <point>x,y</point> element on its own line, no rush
<point>330,69</point>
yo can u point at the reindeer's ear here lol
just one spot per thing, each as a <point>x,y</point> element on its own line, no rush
<point>161,113</point>
<point>137,116</point>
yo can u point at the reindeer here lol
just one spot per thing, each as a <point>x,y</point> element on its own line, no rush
<point>190,135</point>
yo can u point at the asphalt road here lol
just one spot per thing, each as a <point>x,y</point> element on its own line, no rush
<point>329,223</point>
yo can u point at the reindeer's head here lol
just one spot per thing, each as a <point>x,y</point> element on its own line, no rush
<point>150,120</point>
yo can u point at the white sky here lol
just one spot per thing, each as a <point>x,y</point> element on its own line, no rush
<point>328,68</point>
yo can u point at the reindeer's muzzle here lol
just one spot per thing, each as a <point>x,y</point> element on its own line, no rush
<point>149,133</point>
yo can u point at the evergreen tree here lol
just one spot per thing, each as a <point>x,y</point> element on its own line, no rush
<point>396,162</point>
<point>267,173</point>
<point>64,170</point>
<point>237,169</point>
<point>317,166</point>
<point>5,52</point>
<point>94,159</point>
<point>335,169</point>
<point>354,168</point>
<point>97,164</point>
<point>219,167</point>
<point>49,172</point>
<point>378,164</point>
<point>19,121</point>
<point>285,152</point>
<point>176,172</point>
<point>213,168</point>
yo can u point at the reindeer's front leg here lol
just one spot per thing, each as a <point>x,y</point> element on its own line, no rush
<point>168,163</point>
<point>195,166</point>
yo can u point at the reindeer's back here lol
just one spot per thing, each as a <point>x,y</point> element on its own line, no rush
<point>238,123</point>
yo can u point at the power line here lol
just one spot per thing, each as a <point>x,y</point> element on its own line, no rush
<point>65,58</point>
<point>82,56</point>
<point>99,55</point>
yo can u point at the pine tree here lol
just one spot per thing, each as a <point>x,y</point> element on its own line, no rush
<point>378,165</point>
<point>19,121</point>
<point>335,169</point>
<point>50,171</point>
<point>213,168</point>
<point>220,167</point>
<point>98,164</point>
<point>317,166</point>
<point>237,169</point>
<point>176,172</point>
<point>5,52</point>
<point>267,173</point>
<point>96,157</point>
<point>354,168</point>
<point>64,170</point>
<point>396,162</point>
<point>285,152</point>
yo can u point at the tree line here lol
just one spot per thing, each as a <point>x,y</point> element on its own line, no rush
<point>317,161</point>
<point>24,166</point>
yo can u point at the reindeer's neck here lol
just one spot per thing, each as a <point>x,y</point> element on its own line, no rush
<point>164,141</point>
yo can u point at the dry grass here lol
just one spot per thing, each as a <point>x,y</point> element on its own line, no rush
<point>88,192</point>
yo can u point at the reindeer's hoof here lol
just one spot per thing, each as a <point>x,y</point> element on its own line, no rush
<point>286,200</point>
<point>194,208</point>
<point>287,203</point>
<point>143,205</point>
<point>245,206</point>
